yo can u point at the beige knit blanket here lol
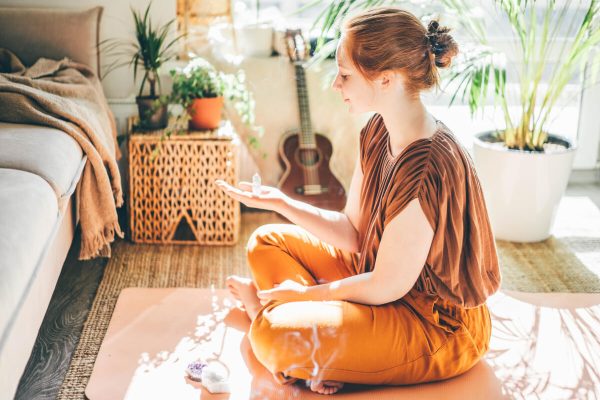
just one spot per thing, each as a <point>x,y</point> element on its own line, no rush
<point>68,96</point>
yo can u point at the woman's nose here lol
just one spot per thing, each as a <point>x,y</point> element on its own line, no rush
<point>335,85</point>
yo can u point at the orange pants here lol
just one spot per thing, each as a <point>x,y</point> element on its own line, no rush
<point>418,338</point>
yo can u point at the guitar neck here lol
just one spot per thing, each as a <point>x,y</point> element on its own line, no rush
<point>307,136</point>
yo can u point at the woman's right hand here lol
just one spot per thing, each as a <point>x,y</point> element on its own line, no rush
<point>270,198</point>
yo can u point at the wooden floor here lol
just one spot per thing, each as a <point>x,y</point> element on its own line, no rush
<point>61,327</point>
<point>69,308</point>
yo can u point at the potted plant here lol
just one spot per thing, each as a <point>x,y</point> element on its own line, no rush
<point>199,88</point>
<point>147,53</point>
<point>256,38</point>
<point>523,168</point>
<point>203,92</point>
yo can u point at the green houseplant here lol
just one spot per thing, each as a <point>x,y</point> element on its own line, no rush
<point>203,91</point>
<point>485,70</point>
<point>148,53</point>
<point>199,88</point>
<point>521,156</point>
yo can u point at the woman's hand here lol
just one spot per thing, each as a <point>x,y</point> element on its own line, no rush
<point>270,198</point>
<point>288,290</point>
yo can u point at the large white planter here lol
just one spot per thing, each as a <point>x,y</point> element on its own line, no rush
<point>522,190</point>
<point>256,40</point>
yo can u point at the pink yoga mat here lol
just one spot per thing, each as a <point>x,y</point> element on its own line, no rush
<point>543,345</point>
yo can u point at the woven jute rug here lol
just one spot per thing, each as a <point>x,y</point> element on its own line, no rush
<point>567,262</point>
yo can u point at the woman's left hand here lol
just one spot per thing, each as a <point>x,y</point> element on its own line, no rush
<point>288,290</point>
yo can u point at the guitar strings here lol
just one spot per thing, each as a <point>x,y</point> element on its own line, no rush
<point>301,85</point>
<point>309,172</point>
<point>311,176</point>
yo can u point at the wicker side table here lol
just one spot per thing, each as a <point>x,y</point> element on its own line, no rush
<point>172,195</point>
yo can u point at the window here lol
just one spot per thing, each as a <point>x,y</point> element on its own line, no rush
<point>281,10</point>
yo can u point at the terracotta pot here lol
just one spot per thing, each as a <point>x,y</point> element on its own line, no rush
<point>152,118</point>
<point>205,113</point>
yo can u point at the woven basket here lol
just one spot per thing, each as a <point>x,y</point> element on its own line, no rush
<point>172,195</point>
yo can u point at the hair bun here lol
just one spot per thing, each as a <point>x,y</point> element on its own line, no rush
<point>433,26</point>
<point>440,43</point>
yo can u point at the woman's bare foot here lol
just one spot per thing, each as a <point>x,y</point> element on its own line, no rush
<point>325,387</point>
<point>244,290</point>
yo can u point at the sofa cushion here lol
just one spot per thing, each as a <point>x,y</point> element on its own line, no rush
<point>32,33</point>
<point>28,211</point>
<point>44,151</point>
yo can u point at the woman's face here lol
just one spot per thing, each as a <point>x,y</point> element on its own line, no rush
<point>356,91</point>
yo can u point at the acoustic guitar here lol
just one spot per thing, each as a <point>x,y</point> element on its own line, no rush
<point>304,155</point>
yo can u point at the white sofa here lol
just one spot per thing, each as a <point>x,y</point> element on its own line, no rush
<point>39,171</point>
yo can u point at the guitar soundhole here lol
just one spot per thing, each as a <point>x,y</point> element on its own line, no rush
<point>308,157</point>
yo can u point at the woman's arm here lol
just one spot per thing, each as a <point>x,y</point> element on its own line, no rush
<point>340,229</point>
<point>402,253</point>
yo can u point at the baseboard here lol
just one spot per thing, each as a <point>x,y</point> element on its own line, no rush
<point>585,176</point>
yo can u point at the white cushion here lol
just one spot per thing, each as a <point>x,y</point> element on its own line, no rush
<point>44,151</point>
<point>28,212</point>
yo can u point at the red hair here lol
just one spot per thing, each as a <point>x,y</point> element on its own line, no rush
<point>389,38</point>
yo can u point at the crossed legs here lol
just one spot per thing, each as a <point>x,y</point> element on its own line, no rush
<point>273,252</point>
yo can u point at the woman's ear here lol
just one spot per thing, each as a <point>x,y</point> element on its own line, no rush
<point>386,80</point>
<point>392,81</point>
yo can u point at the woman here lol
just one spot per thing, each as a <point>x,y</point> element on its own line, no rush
<point>392,290</point>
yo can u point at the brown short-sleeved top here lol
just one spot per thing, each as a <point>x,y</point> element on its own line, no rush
<point>462,264</point>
